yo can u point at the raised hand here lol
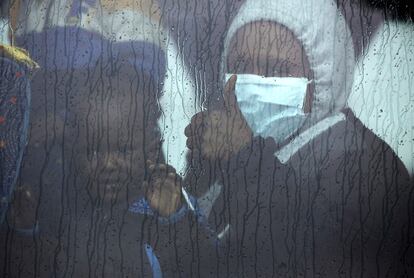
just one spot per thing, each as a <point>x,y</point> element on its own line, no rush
<point>218,134</point>
<point>163,188</point>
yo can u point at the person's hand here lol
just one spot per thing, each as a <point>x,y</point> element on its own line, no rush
<point>218,134</point>
<point>163,188</point>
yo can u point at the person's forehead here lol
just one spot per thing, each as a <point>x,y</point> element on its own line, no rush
<point>267,48</point>
<point>268,37</point>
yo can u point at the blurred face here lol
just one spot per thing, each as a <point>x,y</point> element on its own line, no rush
<point>92,131</point>
<point>119,132</point>
<point>269,49</point>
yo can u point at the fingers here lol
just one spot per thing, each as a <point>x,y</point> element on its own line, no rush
<point>196,122</point>
<point>188,130</point>
<point>194,131</point>
<point>162,188</point>
<point>159,167</point>
<point>230,99</point>
<point>173,178</point>
<point>190,142</point>
<point>162,171</point>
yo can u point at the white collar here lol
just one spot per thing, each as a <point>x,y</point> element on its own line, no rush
<point>285,153</point>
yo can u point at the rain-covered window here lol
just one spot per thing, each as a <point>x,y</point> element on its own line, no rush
<point>206,138</point>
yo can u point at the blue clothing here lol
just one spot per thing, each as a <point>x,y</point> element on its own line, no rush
<point>155,265</point>
<point>141,206</point>
<point>15,100</point>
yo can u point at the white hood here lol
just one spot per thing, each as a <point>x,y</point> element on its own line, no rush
<point>325,36</point>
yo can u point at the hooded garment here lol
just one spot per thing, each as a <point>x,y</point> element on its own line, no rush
<point>335,202</point>
<point>328,46</point>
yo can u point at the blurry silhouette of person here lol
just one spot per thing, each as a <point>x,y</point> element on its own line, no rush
<point>95,121</point>
<point>297,185</point>
<point>16,70</point>
<point>14,124</point>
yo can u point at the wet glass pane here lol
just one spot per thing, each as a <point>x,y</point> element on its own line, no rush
<point>253,138</point>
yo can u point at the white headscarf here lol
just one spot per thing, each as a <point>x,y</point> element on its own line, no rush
<point>322,30</point>
<point>325,36</point>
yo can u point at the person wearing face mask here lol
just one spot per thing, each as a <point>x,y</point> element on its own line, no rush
<point>295,184</point>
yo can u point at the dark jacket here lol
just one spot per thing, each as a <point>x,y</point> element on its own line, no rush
<point>341,207</point>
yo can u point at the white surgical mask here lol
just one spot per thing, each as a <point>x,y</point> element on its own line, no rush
<point>272,106</point>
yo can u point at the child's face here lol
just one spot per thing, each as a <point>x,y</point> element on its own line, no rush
<point>121,131</point>
<point>97,132</point>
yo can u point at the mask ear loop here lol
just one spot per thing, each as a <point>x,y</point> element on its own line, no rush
<point>308,99</point>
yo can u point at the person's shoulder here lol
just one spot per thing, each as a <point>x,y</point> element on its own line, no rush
<point>362,141</point>
<point>347,138</point>
<point>367,137</point>
<point>346,135</point>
